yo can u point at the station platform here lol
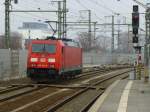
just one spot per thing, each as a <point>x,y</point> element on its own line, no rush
<point>124,96</point>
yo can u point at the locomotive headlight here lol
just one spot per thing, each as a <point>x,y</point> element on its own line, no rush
<point>33,59</point>
<point>51,60</point>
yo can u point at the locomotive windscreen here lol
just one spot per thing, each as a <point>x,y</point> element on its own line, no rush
<point>43,48</point>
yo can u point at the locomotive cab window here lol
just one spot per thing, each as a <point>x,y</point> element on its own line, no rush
<point>50,48</point>
<point>43,48</point>
<point>37,48</point>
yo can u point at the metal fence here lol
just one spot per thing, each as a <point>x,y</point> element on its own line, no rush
<point>13,63</point>
<point>107,58</point>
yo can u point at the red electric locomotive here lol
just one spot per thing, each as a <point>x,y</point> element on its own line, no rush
<point>48,59</point>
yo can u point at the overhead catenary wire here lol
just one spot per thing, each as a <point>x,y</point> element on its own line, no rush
<point>28,17</point>
<point>108,9</point>
<point>38,15</point>
<point>103,6</point>
<point>41,16</point>
<point>28,4</point>
<point>32,5</point>
<point>39,6</point>
<point>78,1</point>
<point>34,16</point>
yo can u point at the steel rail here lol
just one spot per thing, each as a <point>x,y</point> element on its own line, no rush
<point>81,89</point>
<point>64,101</point>
<point>20,94</point>
<point>12,88</point>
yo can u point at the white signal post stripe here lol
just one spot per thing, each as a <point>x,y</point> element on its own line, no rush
<point>43,98</point>
<point>124,98</point>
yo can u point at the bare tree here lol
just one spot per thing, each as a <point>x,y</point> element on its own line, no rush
<point>89,43</point>
<point>104,42</point>
<point>15,41</point>
<point>125,43</point>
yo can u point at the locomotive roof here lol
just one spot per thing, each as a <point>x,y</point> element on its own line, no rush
<point>67,42</point>
<point>54,38</point>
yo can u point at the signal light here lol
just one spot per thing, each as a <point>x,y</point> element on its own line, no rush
<point>135,39</point>
<point>135,8</point>
<point>15,1</point>
<point>135,20</point>
<point>135,31</point>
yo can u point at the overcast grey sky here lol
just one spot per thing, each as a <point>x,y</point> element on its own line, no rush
<point>100,8</point>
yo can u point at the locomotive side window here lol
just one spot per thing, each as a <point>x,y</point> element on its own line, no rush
<point>37,47</point>
<point>50,48</point>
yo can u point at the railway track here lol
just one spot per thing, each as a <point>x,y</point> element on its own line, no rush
<point>86,72</point>
<point>50,95</point>
<point>14,92</point>
<point>70,104</point>
<point>86,75</point>
<point>21,89</point>
<point>10,88</point>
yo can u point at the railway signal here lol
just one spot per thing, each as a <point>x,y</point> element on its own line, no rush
<point>135,23</point>
<point>135,31</point>
<point>135,26</point>
<point>135,39</point>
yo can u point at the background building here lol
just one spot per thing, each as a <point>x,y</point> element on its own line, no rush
<point>33,30</point>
